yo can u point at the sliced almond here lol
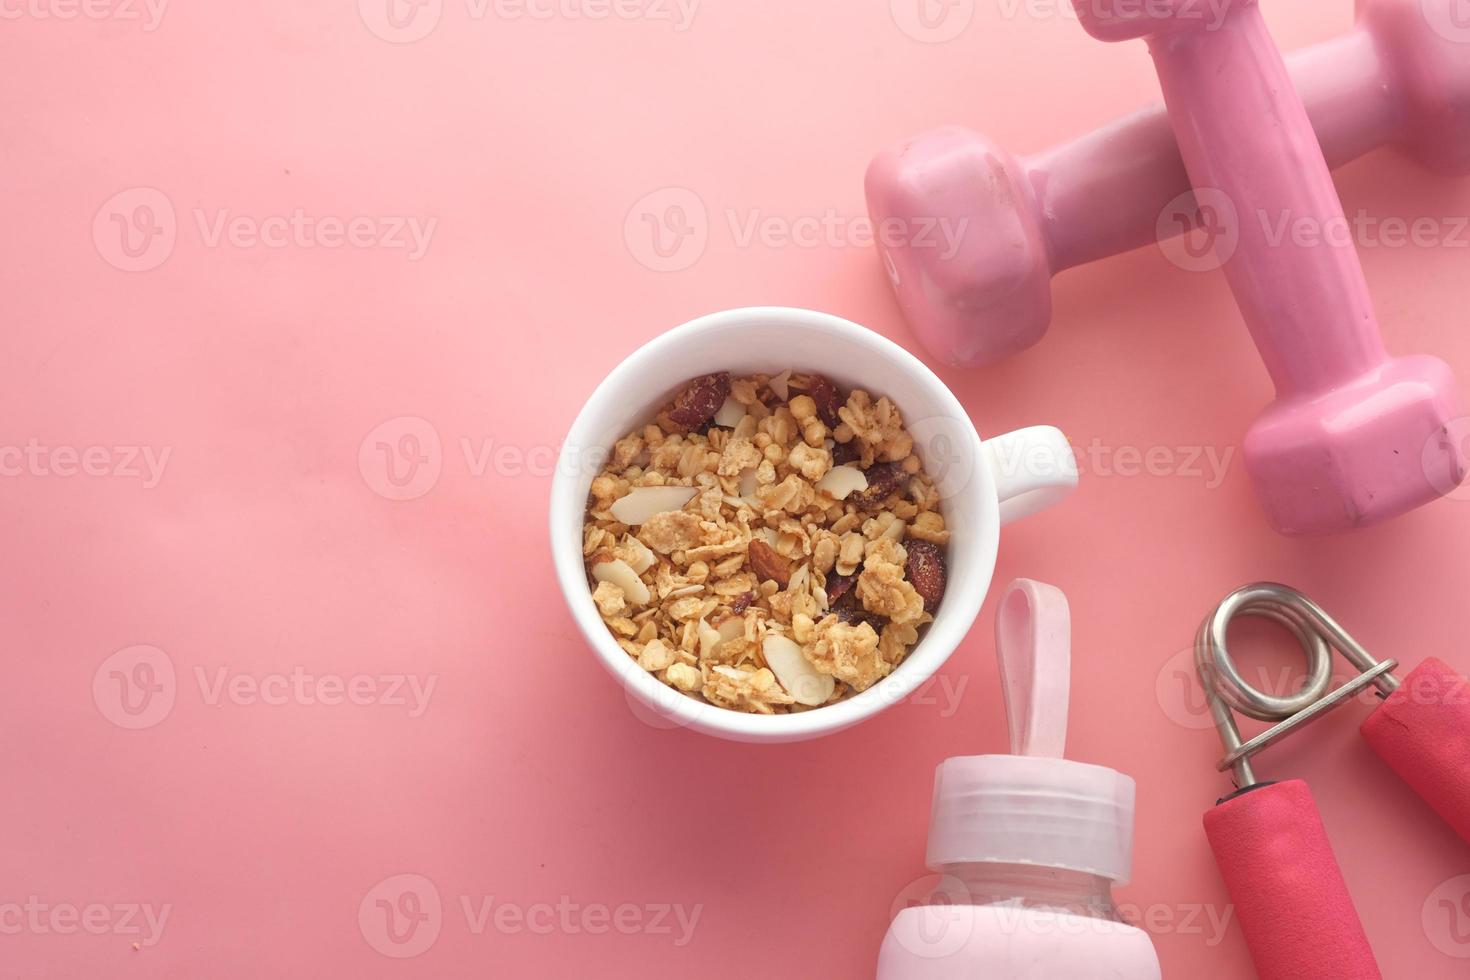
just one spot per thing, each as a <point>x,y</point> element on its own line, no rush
<point>709,638</point>
<point>732,629</point>
<point>643,503</point>
<point>842,482</point>
<point>621,574</point>
<point>797,675</point>
<point>781,385</point>
<point>643,557</point>
<point>894,531</point>
<point>748,485</point>
<point>730,413</point>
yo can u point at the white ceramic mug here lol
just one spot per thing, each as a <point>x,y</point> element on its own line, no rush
<point>984,485</point>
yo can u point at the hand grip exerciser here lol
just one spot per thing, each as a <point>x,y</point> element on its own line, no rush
<point>1268,838</point>
<point>1015,222</point>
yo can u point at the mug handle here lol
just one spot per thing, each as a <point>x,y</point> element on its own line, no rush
<point>1034,468</point>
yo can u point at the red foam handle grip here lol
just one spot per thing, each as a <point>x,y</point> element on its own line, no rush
<point>1423,732</point>
<point>1293,906</point>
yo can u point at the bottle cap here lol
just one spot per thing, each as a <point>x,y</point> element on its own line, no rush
<point>1033,806</point>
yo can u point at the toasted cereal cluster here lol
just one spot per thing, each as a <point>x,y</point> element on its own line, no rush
<point>767,544</point>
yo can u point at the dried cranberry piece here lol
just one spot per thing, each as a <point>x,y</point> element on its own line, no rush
<point>849,609</point>
<point>839,585</point>
<point>824,393</point>
<point>846,452</point>
<point>883,480</point>
<point>856,615</point>
<point>700,400</point>
<point>926,572</point>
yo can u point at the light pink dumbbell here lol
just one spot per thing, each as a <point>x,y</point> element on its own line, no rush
<point>982,290</point>
<point>1354,435</point>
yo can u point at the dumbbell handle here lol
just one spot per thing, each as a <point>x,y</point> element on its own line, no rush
<point>1244,132</point>
<point>1103,193</point>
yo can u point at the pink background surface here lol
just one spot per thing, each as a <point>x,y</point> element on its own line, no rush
<point>269,543</point>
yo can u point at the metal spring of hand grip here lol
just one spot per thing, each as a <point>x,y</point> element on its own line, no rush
<point>1318,634</point>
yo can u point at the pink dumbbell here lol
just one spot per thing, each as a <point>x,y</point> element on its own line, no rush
<point>1354,436</point>
<point>1393,80</point>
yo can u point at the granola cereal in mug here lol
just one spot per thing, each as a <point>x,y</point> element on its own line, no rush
<point>767,544</point>
<point>968,490</point>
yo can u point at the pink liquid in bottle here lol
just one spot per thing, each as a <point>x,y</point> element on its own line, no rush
<point>1014,922</point>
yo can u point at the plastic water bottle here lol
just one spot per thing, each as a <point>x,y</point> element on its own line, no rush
<point>1028,845</point>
